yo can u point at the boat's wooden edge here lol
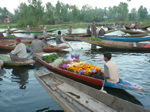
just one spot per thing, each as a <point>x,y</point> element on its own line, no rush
<point>111,101</point>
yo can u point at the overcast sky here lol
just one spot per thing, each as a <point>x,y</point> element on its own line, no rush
<point>13,4</point>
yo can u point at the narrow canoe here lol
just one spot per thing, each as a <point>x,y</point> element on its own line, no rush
<point>8,62</point>
<point>73,96</point>
<point>39,31</point>
<point>118,45</point>
<point>138,27</point>
<point>8,45</point>
<point>122,84</point>
<point>126,39</point>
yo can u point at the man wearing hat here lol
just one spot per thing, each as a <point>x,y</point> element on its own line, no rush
<point>20,51</point>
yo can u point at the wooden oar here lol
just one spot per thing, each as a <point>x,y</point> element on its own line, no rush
<point>70,47</point>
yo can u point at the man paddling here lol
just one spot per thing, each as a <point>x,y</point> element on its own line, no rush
<point>20,52</point>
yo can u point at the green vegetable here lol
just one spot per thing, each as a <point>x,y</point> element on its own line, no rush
<point>94,39</point>
<point>50,58</point>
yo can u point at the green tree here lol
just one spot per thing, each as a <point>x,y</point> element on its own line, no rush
<point>142,13</point>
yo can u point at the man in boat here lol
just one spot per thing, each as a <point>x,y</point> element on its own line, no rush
<point>37,45</point>
<point>20,51</point>
<point>110,69</point>
<point>45,33</point>
<point>1,35</point>
<point>70,30</point>
<point>88,30</point>
<point>60,41</point>
<point>28,28</point>
<point>101,31</point>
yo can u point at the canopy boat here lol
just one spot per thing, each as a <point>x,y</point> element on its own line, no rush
<point>7,61</point>
<point>118,45</point>
<point>126,39</point>
<point>91,81</point>
<point>73,96</point>
<point>9,45</point>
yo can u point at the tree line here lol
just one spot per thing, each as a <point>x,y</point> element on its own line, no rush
<point>36,14</point>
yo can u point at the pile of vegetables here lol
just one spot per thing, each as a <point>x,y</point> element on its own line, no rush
<point>50,58</point>
<point>94,39</point>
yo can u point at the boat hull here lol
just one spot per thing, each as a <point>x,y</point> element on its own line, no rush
<point>91,81</point>
<point>126,39</point>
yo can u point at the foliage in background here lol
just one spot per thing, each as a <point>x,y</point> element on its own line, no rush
<point>35,14</point>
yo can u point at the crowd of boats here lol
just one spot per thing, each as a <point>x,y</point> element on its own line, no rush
<point>71,99</point>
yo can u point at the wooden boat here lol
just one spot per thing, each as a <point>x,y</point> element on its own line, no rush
<point>133,32</point>
<point>122,84</point>
<point>126,39</point>
<point>7,61</point>
<point>138,27</point>
<point>38,31</point>
<point>8,45</point>
<point>73,96</point>
<point>131,46</point>
<point>132,35</point>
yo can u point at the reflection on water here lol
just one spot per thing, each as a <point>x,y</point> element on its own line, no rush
<point>20,76</point>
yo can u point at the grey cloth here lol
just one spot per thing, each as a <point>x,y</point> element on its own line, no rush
<point>58,39</point>
<point>101,32</point>
<point>88,31</point>
<point>44,33</point>
<point>14,57</point>
<point>37,46</point>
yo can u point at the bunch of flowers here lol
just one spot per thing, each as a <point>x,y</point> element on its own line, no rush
<point>84,69</point>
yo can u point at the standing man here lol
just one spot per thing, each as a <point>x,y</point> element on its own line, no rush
<point>93,28</point>
<point>20,51</point>
<point>110,69</point>
<point>93,33</point>
<point>37,45</point>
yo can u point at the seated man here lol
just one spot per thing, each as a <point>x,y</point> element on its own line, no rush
<point>37,45</point>
<point>60,41</point>
<point>110,69</point>
<point>20,51</point>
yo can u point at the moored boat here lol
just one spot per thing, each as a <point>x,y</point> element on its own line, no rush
<point>9,45</point>
<point>133,31</point>
<point>118,45</point>
<point>73,96</point>
<point>89,80</point>
<point>126,39</point>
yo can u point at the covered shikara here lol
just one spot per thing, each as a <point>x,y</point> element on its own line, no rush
<point>139,46</point>
<point>73,96</point>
